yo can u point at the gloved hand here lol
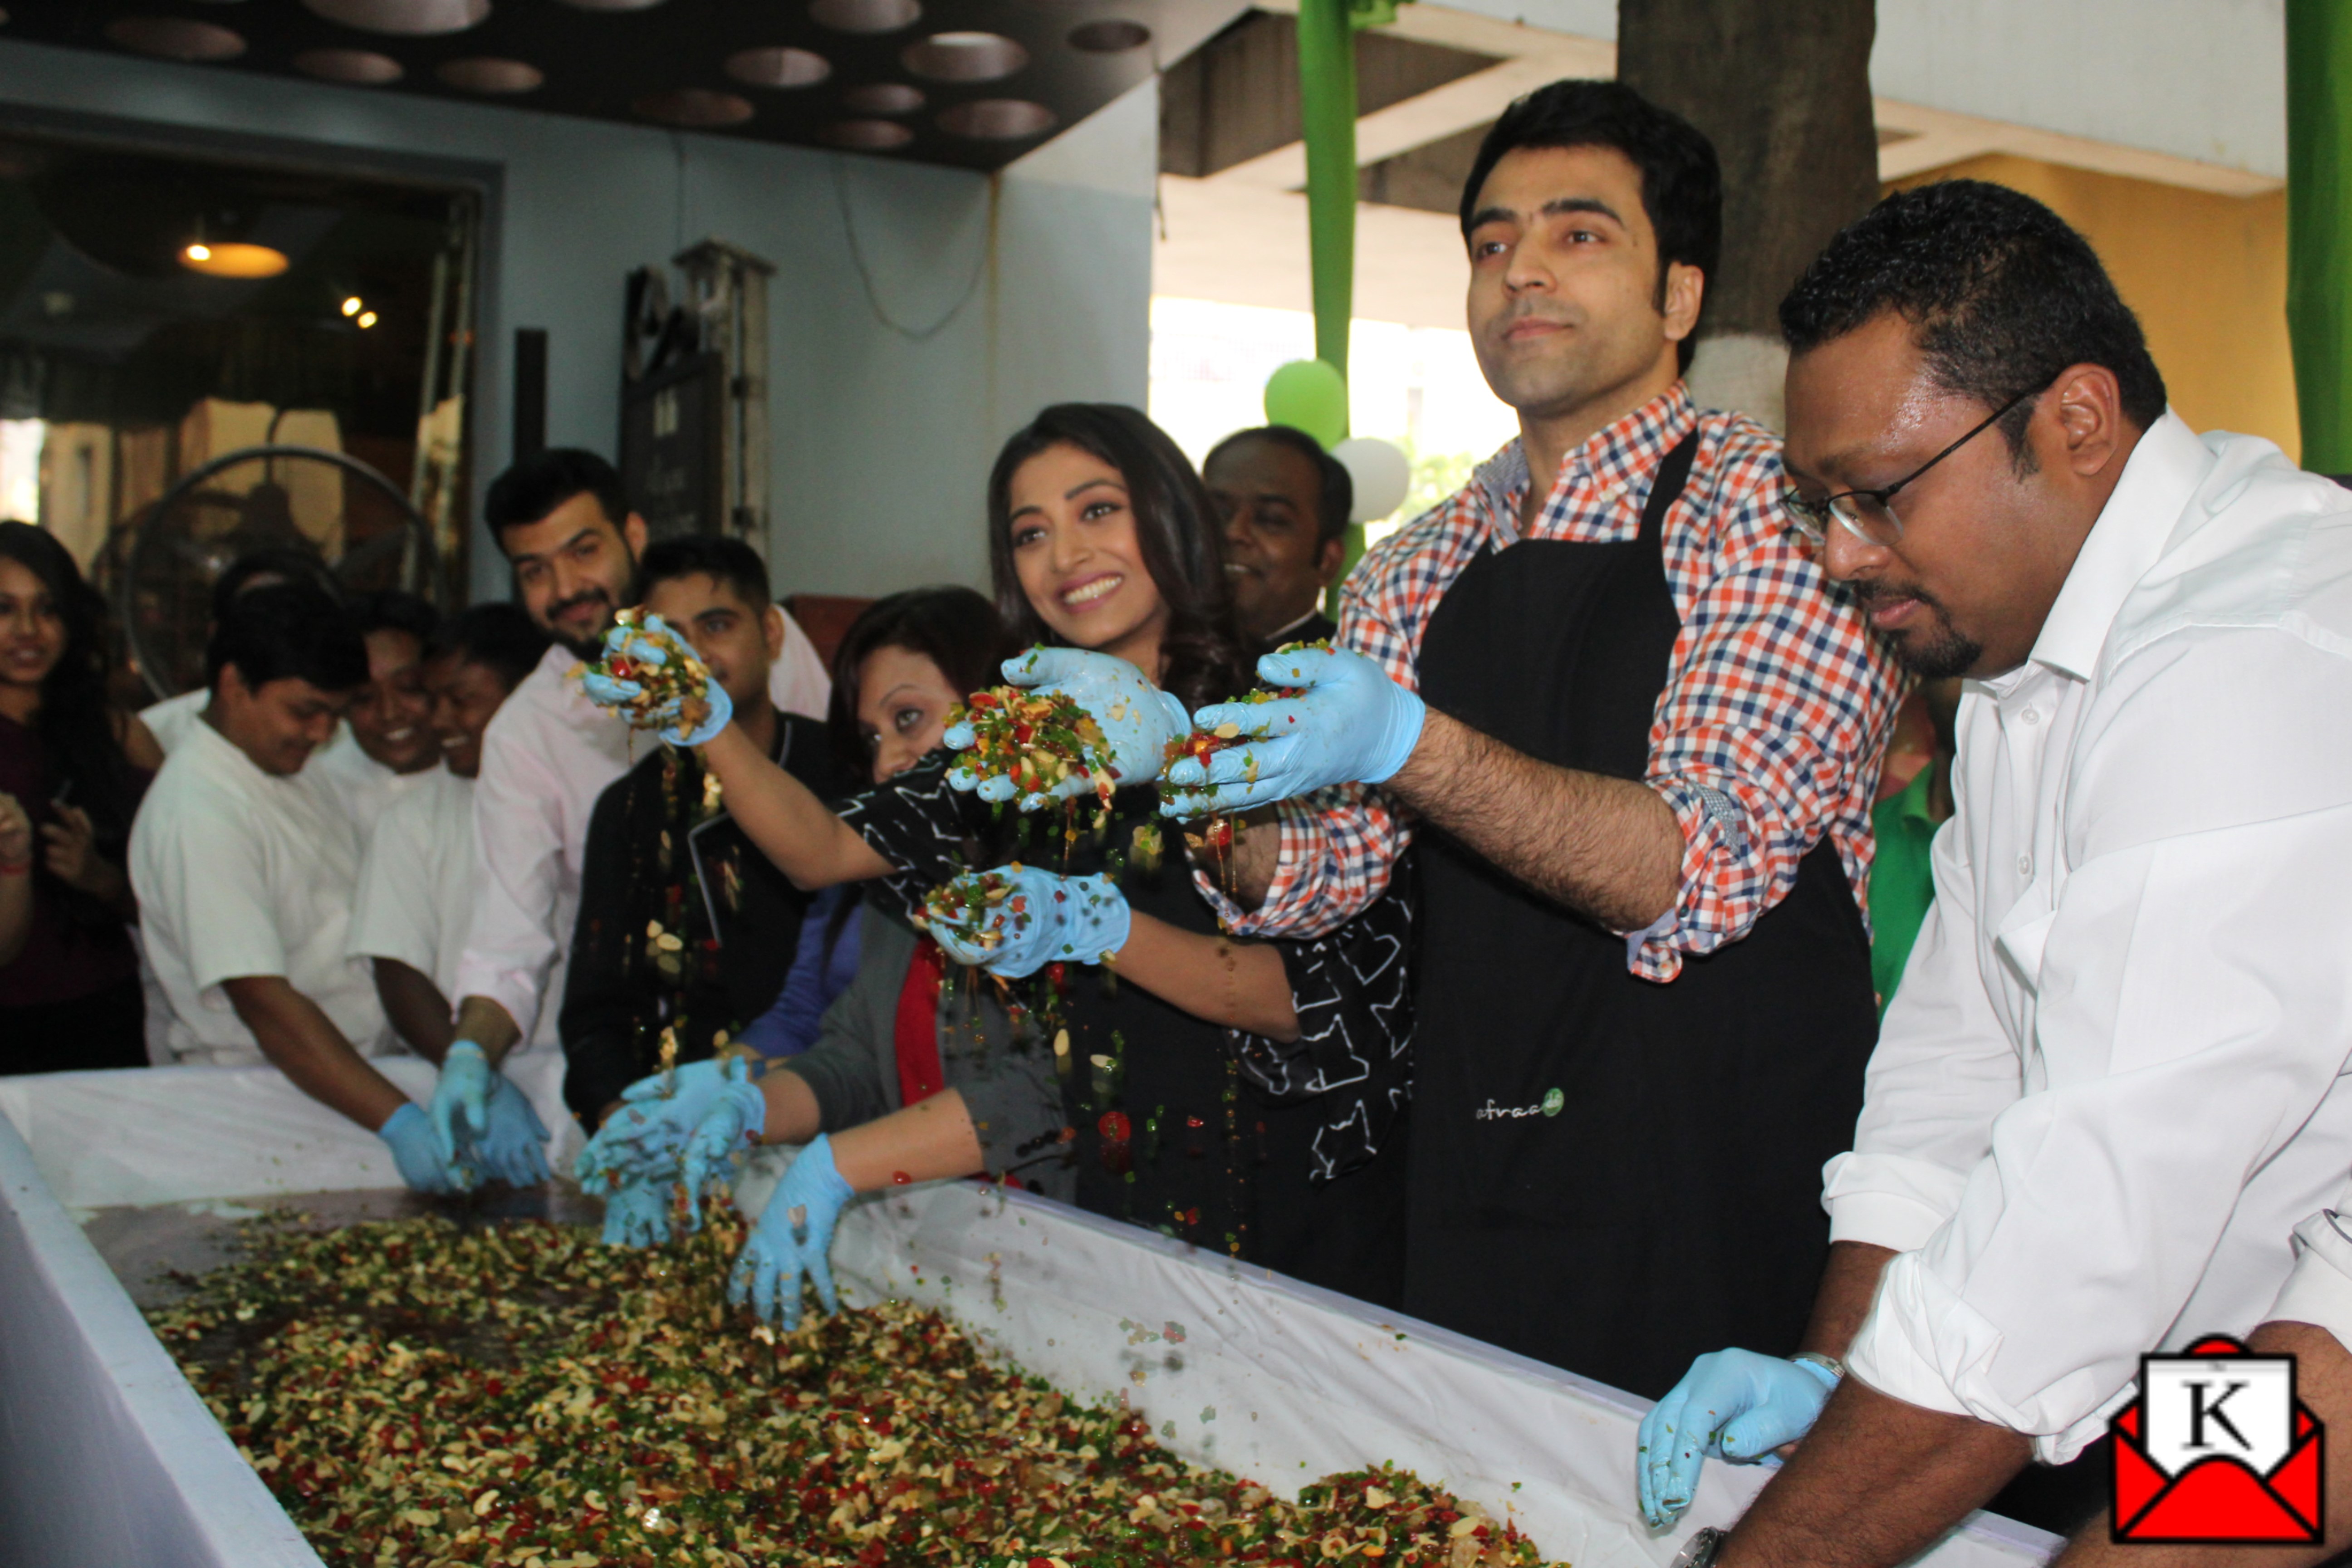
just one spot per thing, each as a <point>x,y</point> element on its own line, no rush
<point>414,1149</point>
<point>637,1213</point>
<point>643,1137</point>
<point>734,1122</point>
<point>1736,1405</point>
<point>629,642</point>
<point>461,1099</point>
<point>514,1150</point>
<point>1137,720</point>
<point>795,1236</point>
<point>1351,724</point>
<point>632,642</point>
<point>1045,917</point>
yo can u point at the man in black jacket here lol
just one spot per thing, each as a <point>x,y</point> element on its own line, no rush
<point>684,925</point>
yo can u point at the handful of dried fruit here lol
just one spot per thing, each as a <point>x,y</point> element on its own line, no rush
<point>642,652</point>
<point>1033,740</point>
<point>415,1393</point>
<point>962,903</point>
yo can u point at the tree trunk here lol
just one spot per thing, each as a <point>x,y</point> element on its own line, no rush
<point>1782,88</point>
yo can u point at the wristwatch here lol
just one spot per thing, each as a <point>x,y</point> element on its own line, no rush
<point>1699,1551</point>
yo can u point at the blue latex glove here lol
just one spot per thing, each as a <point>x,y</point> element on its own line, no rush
<point>794,1237</point>
<point>1352,724</point>
<point>514,1151</point>
<point>414,1150</point>
<point>461,1099</point>
<point>1137,720</point>
<point>1735,1404</point>
<point>637,1213</point>
<point>645,1135</point>
<point>1045,917</point>
<point>733,1123</point>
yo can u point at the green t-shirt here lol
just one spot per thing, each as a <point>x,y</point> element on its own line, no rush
<point>1902,884</point>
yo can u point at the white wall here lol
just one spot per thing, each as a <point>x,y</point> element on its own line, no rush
<point>2197,79</point>
<point>881,444</point>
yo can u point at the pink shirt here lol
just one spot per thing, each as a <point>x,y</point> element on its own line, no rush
<point>548,755</point>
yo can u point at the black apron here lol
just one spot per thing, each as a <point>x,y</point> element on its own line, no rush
<point>1610,1174</point>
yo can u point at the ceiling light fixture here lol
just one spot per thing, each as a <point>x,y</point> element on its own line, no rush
<point>492,76</point>
<point>405,18</point>
<point>353,68</point>
<point>778,67</point>
<point>965,57</point>
<point>883,97</point>
<point>171,38</point>
<point>230,258</point>
<point>866,16</point>
<point>352,306</point>
<point>1109,37</point>
<point>366,319</point>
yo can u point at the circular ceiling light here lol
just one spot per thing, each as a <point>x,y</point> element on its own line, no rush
<point>883,97</point>
<point>693,109</point>
<point>355,68</point>
<point>481,74</point>
<point>778,67</point>
<point>226,258</point>
<point>997,118</point>
<point>866,16</point>
<point>169,38</point>
<point>1109,37</point>
<point>868,135</point>
<point>965,57</point>
<point>405,18</point>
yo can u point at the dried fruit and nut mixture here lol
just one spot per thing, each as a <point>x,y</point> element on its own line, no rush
<point>669,693</point>
<point>417,1392</point>
<point>1035,738</point>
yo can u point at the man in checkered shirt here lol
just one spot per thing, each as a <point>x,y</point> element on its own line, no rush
<point>1637,774</point>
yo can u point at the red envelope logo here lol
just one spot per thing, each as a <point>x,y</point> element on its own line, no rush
<point>2217,1449</point>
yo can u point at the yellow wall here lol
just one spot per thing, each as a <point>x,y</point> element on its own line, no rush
<point>2207,274</point>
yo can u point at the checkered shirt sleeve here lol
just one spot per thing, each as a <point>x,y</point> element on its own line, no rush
<point>1770,731</point>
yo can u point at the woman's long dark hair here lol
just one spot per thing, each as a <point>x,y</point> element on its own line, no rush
<point>76,720</point>
<point>956,628</point>
<point>1175,528</point>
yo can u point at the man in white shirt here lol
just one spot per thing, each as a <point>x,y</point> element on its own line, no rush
<point>245,868</point>
<point>386,746</point>
<point>568,531</point>
<point>416,898</point>
<point>2108,1090</point>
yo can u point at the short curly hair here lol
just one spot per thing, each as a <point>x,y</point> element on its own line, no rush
<point>2003,294</point>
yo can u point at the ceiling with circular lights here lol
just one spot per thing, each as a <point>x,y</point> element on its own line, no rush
<point>973,83</point>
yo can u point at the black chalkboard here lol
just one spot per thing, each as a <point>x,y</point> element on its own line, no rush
<point>673,456</point>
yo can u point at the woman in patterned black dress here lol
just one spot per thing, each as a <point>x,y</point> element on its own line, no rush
<point>1226,1093</point>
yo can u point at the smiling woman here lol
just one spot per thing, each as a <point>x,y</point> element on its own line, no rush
<point>69,991</point>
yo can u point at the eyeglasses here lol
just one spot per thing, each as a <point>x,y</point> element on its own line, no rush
<point>1869,515</point>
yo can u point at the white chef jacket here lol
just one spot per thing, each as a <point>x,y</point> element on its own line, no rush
<point>240,872</point>
<point>417,880</point>
<point>548,755</point>
<point>362,786</point>
<point>2108,1088</point>
<point>169,720</point>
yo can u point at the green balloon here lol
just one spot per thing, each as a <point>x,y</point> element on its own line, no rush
<point>1309,394</point>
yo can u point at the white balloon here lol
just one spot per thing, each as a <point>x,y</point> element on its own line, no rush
<point>1382,473</point>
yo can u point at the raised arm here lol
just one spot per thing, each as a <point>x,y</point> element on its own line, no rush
<point>791,826</point>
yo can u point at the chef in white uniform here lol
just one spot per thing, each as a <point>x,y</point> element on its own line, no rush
<point>416,895</point>
<point>246,870</point>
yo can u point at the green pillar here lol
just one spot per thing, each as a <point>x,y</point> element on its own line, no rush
<point>2319,225</point>
<point>1327,90</point>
